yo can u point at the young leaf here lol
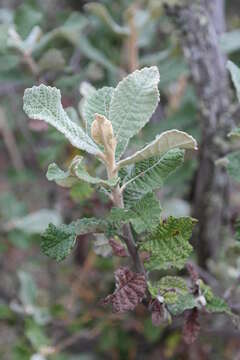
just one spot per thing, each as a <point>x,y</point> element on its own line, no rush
<point>98,102</point>
<point>130,290</point>
<point>75,172</point>
<point>62,178</point>
<point>149,175</point>
<point>235,74</point>
<point>169,288</point>
<point>44,103</point>
<point>168,244</point>
<point>168,140</point>
<point>133,102</point>
<point>214,303</point>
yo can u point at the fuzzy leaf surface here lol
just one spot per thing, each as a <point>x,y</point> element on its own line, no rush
<point>214,303</point>
<point>75,172</point>
<point>130,290</point>
<point>44,103</point>
<point>133,102</point>
<point>144,214</point>
<point>168,140</point>
<point>149,175</point>
<point>170,288</point>
<point>168,245</point>
<point>57,242</point>
<point>98,102</point>
<point>147,213</point>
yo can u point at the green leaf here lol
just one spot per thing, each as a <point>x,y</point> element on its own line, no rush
<point>36,335</point>
<point>233,166</point>
<point>169,287</point>
<point>168,140</point>
<point>235,133</point>
<point>52,60</point>
<point>168,245</point>
<point>144,215</point>
<point>26,17</point>
<point>3,37</point>
<point>86,89</point>
<point>98,102</point>
<point>229,41</point>
<point>35,222</point>
<point>214,303</point>
<point>75,172</point>
<point>28,289</point>
<point>44,103</point>
<point>101,11</point>
<point>147,213</point>
<point>73,115</point>
<point>62,178</point>
<point>235,74</point>
<point>184,302</point>
<point>8,62</point>
<point>174,292</point>
<point>149,175</point>
<point>134,101</point>
<point>57,243</point>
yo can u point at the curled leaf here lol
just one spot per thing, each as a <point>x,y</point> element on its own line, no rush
<point>76,172</point>
<point>160,314</point>
<point>171,139</point>
<point>130,290</point>
<point>102,132</point>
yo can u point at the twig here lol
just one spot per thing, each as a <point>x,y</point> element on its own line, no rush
<point>65,343</point>
<point>133,58</point>
<point>10,142</point>
<point>102,133</point>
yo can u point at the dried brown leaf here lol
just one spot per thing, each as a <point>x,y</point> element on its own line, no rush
<point>160,314</point>
<point>191,327</point>
<point>130,290</point>
<point>118,248</point>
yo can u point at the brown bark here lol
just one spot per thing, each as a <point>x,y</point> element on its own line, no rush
<point>207,64</point>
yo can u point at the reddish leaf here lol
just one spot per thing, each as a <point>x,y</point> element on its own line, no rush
<point>191,327</point>
<point>117,248</point>
<point>159,313</point>
<point>192,272</point>
<point>194,278</point>
<point>130,290</point>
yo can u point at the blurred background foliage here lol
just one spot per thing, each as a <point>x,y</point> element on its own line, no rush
<point>50,311</point>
